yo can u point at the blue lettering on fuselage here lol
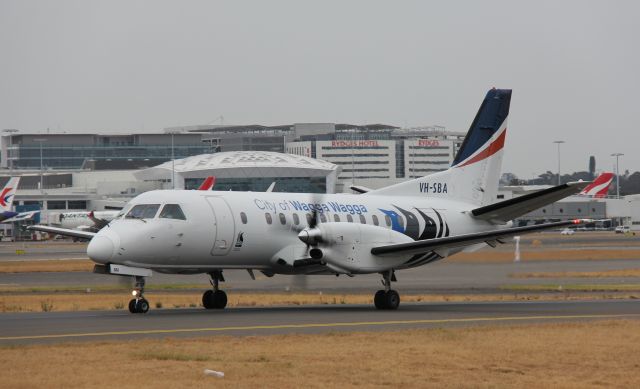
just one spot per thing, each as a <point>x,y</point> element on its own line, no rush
<point>301,206</point>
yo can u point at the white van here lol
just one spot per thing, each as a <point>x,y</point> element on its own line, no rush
<point>623,230</point>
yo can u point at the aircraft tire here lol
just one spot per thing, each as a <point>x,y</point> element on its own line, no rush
<point>379,299</point>
<point>142,306</point>
<point>207,299</point>
<point>392,300</point>
<point>219,299</point>
<point>132,306</point>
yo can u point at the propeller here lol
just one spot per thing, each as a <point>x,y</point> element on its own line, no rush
<point>311,235</point>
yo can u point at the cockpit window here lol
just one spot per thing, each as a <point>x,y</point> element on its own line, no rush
<point>172,211</point>
<point>143,211</point>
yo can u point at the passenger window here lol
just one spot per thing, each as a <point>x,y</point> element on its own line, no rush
<point>243,217</point>
<point>296,219</point>
<point>267,216</point>
<point>323,218</point>
<point>375,220</point>
<point>309,219</point>
<point>387,220</point>
<point>283,219</point>
<point>363,220</point>
<point>172,211</point>
<point>143,211</point>
<point>336,218</point>
<point>350,218</point>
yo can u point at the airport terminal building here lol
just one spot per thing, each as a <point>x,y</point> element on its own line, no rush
<point>247,171</point>
<point>373,155</point>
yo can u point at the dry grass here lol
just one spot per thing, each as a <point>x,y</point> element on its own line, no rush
<point>578,355</point>
<point>107,301</point>
<point>586,274</point>
<point>546,255</point>
<point>531,288</point>
<point>53,265</point>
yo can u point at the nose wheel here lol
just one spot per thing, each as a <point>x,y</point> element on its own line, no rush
<point>138,304</point>
<point>387,298</point>
<point>215,298</point>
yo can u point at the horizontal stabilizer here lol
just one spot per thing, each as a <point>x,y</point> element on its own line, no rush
<point>360,189</point>
<point>99,223</point>
<point>510,209</point>
<point>451,242</point>
<point>62,231</point>
<point>22,216</point>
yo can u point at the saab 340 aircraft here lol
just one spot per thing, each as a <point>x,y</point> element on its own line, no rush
<point>402,226</point>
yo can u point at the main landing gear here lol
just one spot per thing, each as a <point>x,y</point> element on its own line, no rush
<point>215,298</point>
<point>387,298</point>
<point>138,304</point>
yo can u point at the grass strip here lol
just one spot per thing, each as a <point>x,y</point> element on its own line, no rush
<point>592,354</point>
<point>631,273</point>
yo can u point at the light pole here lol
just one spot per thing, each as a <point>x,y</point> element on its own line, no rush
<point>41,141</point>
<point>173,165</point>
<point>617,155</point>
<point>558,142</point>
<point>10,131</point>
<point>173,162</point>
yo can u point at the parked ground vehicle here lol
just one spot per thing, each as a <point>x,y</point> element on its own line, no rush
<point>622,229</point>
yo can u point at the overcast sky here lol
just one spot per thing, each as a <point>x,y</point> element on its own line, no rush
<point>114,66</point>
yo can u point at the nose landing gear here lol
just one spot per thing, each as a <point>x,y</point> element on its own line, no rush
<point>215,298</point>
<point>387,298</point>
<point>138,304</point>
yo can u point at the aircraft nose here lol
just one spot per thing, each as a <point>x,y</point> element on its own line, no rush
<point>100,249</point>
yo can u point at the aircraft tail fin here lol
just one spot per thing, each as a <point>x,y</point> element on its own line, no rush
<point>473,176</point>
<point>8,193</point>
<point>600,186</point>
<point>208,183</point>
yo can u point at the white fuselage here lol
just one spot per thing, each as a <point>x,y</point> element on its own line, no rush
<point>251,230</point>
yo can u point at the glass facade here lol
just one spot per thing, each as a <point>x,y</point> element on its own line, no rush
<point>74,156</point>
<point>283,184</point>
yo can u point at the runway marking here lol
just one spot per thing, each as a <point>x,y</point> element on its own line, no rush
<point>316,325</point>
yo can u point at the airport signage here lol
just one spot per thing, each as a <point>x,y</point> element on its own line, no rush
<point>428,142</point>
<point>354,143</point>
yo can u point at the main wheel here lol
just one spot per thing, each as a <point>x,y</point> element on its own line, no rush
<point>142,306</point>
<point>219,299</point>
<point>378,299</point>
<point>132,306</point>
<point>207,299</point>
<point>392,299</point>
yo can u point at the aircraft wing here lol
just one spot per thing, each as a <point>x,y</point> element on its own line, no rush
<point>518,206</point>
<point>491,238</point>
<point>62,231</point>
<point>21,217</point>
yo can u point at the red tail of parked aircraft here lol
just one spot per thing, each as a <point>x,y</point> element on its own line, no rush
<point>600,186</point>
<point>208,183</point>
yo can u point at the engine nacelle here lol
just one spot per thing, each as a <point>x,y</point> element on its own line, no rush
<point>346,247</point>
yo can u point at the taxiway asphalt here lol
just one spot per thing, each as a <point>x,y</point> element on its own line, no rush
<point>28,328</point>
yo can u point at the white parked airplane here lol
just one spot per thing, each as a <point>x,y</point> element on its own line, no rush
<point>6,203</point>
<point>402,226</point>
